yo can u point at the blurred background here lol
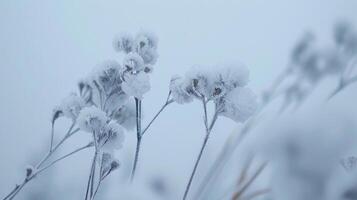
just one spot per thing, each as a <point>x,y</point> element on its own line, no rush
<point>48,46</point>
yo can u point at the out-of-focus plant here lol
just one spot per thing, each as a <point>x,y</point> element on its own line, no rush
<point>225,88</point>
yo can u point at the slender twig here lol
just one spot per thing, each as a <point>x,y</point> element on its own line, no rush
<point>238,194</point>
<point>157,114</point>
<point>208,131</point>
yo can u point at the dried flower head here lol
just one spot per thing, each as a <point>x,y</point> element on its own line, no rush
<point>111,137</point>
<point>125,115</point>
<point>238,105</point>
<point>136,85</point>
<point>179,89</point>
<point>92,119</point>
<point>124,42</point>
<point>71,106</point>
<point>133,63</point>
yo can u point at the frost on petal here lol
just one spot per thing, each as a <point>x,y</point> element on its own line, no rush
<point>136,85</point>
<point>179,90</point>
<point>91,119</point>
<point>111,137</point>
<point>123,42</point>
<point>239,104</point>
<point>133,63</point>
<point>199,81</point>
<point>126,115</point>
<point>71,106</point>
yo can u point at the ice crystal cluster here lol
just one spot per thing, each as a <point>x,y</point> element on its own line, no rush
<point>224,85</point>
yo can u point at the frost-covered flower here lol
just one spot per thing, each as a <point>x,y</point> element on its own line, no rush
<point>136,85</point>
<point>126,115</point>
<point>133,63</point>
<point>107,75</point>
<point>146,47</point>
<point>179,88</point>
<point>108,164</point>
<point>226,79</point>
<point>124,42</point>
<point>111,137</point>
<point>92,119</point>
<point>71,106</point>
<point>238,105</point>
<point>346,37</point>
<point>199,80</point>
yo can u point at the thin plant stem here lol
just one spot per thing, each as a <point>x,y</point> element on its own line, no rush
<point>38,168</point>
<point>18,188</point>
<point>138,136</point>
<point>208,131</point>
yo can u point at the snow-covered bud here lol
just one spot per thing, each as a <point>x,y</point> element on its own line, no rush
<point>136,85</point>
<point>124,42</point>
<point>238,105</point>
<point>29,170</point>
<point>57,112</point>
<point>92,119</point>
<point>72,105</point>
<point>179,90</point>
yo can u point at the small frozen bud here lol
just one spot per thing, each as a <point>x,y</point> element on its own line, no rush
<point>136,85</point>
<point>91,119</point>
<point>57,112</point>
<point>29,170</point>
<point>115,164</point>
<point>133,63</point>
<point>239,104</point>
<point>123,42</point>
<point>179,90</point>
<point>72,105</point>
<point>148,69</point>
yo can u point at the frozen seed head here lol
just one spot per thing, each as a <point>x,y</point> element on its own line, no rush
<point>123,43</point>
<point>238,105</point>
<point>133,63</point>
<point>92,119</point>
<point>111,137</point>
<point>71,106</point>
<point>180,90</point>
<point>136,85</point>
